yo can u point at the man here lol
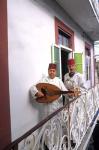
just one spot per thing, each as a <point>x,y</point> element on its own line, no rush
<point>73,80</point>
<point>51,79</point>
<point>49,108</point>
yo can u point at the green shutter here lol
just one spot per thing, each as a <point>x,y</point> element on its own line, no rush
<point>55,58</point>
<point>78,60</point>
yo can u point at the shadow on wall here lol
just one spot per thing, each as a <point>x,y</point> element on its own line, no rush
<point>37,106</point>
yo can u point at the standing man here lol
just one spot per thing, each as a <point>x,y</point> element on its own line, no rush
<point>73,80</point>
<point>51,79</point>
<point>49,108</point>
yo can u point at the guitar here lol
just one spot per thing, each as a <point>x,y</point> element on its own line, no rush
<point>51,92</point>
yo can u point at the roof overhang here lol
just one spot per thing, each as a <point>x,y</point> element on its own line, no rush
<point>84,14</point>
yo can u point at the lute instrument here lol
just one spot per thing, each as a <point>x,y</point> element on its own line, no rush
<point>51,92</point>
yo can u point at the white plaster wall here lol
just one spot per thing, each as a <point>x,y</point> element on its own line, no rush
<point>30,36</point>
<point>79,41</point>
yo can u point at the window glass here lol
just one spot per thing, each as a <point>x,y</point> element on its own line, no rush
<point>63,39</point>
<point>60,39</point>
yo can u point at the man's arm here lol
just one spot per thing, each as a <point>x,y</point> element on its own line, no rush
<point>35,93</point>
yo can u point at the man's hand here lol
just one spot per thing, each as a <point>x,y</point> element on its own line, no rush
<point>39,94</point>
<point>76,92</point>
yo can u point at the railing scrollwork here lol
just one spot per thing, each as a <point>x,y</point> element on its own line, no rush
<point>67,127</point>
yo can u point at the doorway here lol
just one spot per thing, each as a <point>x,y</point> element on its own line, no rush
<point>64,68</point>
<point>64,58</point>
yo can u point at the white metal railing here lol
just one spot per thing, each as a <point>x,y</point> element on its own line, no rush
<point>95,6</point>
<point>67,129</point>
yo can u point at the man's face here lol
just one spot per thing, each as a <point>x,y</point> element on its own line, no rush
<point>52,73</point>
<point>71,68</point>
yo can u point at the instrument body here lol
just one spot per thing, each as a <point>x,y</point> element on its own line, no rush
<point>51,92</point>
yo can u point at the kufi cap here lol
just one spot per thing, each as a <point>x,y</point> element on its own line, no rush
<point>71,62</point>
<point>52,66</point>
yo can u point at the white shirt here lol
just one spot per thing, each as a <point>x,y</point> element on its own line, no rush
<point>50,107</point>
<point>76,81</point>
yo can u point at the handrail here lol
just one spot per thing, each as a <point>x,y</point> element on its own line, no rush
<point>14,143</point>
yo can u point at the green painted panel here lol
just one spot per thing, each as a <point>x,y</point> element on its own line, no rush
<point>78,60</point>
<point>79,68</point>
<point>55,58</point>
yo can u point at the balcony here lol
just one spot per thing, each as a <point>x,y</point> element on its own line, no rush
<point>64,129</point>
<point>85,13</point>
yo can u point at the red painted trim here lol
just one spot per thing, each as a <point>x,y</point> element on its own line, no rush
<point>5,129</point>
<point>89,46</point>
<point>60,25</point>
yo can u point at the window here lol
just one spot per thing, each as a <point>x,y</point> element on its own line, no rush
<point>63,48</point>
<point>63,34</point>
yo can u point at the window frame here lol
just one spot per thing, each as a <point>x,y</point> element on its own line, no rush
<point>88,67</point>
<point>59,25</point>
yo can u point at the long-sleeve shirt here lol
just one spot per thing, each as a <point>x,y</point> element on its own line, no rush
<point>50,107</point>
<point>76,81</point>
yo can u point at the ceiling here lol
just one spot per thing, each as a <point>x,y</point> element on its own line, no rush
<point>83,14</point>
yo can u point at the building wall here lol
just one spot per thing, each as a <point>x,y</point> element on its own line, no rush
<point>31,33</point>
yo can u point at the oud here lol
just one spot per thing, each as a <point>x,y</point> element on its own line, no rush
<point>52,92</point>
